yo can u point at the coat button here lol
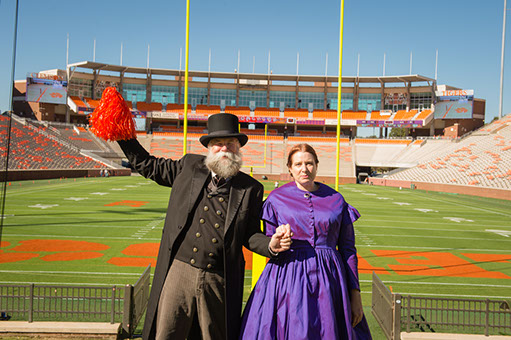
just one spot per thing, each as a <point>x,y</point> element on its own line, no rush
<point>306,195</point>
<point>179,227</point>
<point>195,249</point>
<point>192,261</point>
<point>206,208</point>
<point>198,234</point>
<point>209,196</point>
<point>211,254</point>
<point>217,225</point>
<point>202,221</point>
<point>209,266</point>
<point>218,212</point>
<point>214,240</point>
<point>221,199</point>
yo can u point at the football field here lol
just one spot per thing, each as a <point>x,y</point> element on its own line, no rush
<point>105,231</point>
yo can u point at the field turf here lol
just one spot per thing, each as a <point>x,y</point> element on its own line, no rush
<point>105,231</point>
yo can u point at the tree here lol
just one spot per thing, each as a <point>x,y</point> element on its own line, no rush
<point>398,132</point>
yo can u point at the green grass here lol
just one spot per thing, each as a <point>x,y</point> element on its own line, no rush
<point>454,228</point>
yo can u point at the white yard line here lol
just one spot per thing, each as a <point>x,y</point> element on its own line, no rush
<point>81,237</point>
<point>440,237</point>
<point>398,247</point>
<point>429,230</point>
<point>441,284</point>
<point>485,210</point>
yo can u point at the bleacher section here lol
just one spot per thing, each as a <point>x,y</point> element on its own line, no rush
<point>34,148</point>
<point>481,159</point>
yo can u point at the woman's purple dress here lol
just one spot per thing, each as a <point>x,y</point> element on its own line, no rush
<point>304,293</point>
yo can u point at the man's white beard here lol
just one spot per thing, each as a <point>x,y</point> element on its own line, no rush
<point>224,167</point>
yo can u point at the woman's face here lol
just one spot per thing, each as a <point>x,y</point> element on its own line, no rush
<point>303,169</point>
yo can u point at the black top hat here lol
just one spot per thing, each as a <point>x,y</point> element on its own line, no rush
<point>223,125</point>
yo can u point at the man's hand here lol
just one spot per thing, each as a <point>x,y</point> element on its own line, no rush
<point>357,312</point>
<point>281,240</point>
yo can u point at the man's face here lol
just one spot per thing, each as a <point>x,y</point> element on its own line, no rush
<point>224,157</point>
<point>231,145</point>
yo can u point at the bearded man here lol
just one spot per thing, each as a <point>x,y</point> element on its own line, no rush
<point>213,211</point>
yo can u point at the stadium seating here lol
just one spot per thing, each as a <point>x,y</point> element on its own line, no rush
<point>148,107</point>
<point>296,113</point>
<point>360,115</point>
<point>238,111</point>
<point>404,115</point>
<point>264,112</point>
<point>481,159</point>
<point>207,110</point>
<point>34,147</point>
<point>324,114</point>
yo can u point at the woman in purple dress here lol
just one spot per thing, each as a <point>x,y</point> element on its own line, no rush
<point>312,290</point>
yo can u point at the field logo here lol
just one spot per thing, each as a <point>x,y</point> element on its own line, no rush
<point>504,233</point>
<point>457,219</point>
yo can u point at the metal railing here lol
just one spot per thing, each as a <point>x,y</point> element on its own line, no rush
<point>396,313</point>
<point>33,302</point>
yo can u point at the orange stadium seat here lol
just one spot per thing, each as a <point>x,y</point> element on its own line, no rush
<point>178,108</point>
<point>424,114</point>
<point>296,113</point>
<point>267,112</point>
<point>324,114</point>
<point>405,115</point>
<point>347,114</point>
<point>78,101</point>
<point>376,115</point>
<point>143,106</point>
<point>238,111</point>
<point>205,109</point>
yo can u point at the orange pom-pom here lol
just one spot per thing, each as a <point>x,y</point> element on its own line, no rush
<point>112,119</point>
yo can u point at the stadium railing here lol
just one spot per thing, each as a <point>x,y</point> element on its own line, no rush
<point>75,303</point>
<point>396,313</point>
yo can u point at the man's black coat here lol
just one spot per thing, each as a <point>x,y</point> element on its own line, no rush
<point>187,178</point>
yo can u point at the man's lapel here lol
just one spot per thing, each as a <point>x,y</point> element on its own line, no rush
<point>235,196</point>
<point>200,175</point>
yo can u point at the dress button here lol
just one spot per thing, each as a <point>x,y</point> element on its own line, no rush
<point>218,212</point>
<point>202,221</point>
<point>214,240</point>
<point>206,208</point>
<point>195,249</point>
<point>192,261</point>
<point>221,199</point>
<point>217,225</point>
<point>198,234</point>
<point>211,254</point>
<point>209,266</point>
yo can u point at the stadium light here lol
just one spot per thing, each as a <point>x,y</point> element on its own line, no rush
<point>8,139</point>
<point>502,60</point>
<point>185,117</point>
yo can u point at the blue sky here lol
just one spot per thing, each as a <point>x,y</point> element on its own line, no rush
<point>467,34</point>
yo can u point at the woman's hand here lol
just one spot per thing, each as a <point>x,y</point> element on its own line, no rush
<point>281,240</point>
<point>357,312</point>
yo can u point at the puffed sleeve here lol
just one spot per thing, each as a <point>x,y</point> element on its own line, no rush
<point>269,216</point>
<point>346,244</point>
<point>353,213</point>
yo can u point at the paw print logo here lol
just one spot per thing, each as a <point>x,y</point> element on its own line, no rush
<point>138,255</point>
<point>50,250</point>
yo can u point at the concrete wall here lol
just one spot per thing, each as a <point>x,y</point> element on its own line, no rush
<point>25,175</point>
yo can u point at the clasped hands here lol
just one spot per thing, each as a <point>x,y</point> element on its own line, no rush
<point>281,240</point>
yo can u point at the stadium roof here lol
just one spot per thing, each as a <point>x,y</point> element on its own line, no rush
<point>95,66</point>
